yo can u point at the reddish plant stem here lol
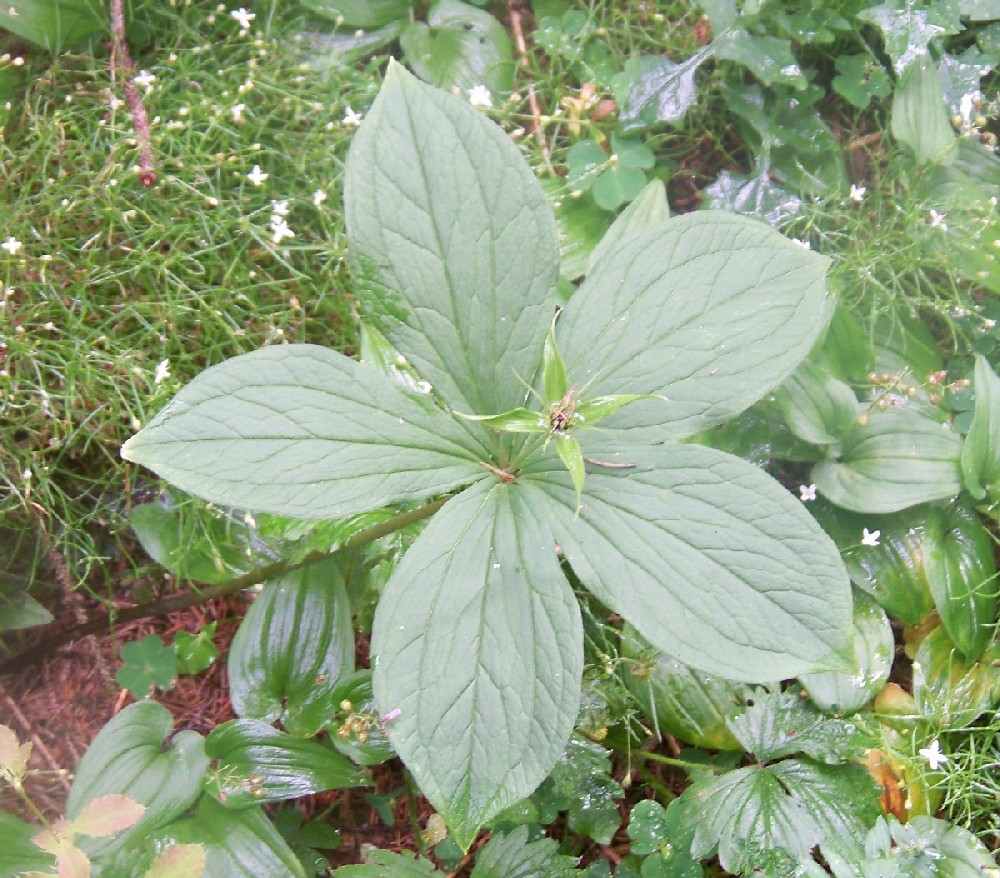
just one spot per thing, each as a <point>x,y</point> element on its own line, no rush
<point>140,121</point>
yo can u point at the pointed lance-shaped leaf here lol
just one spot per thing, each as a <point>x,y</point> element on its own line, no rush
<point>478,644</point>
<point>453,245</point>
<point>304,431</point>
<point>709,558</point>
<point>981,452</point>
<point>710,310</point>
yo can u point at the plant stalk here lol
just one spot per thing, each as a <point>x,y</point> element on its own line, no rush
<point>180,602</point>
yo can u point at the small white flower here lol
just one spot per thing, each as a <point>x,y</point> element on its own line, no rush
<point>280,229</point>
<point>279,208</point>
<point>237,111</point>
<point>937,221</point>
<point>870,537</point>
<point>479,96</point>
<point>319,196</point>
<point>807,493</point>
<point>115,103</point>
<point>243,17</point>
<point>162,372</point>
<point>11,245</point>
<point>144,80</point>
<point>857,193</point>
<point>12,11</point>
<point>933,755</point>
<point>352,118</point>
<point>805,245</point>
<point>257,176</point>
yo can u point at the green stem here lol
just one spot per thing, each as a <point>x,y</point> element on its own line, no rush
<point>181,602</point>
<point>677,763</point>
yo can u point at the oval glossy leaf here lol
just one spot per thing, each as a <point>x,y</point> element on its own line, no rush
<point>478,645</point>
<point>129,757</point>
<point>256,763</point>
<point>690,705</point>
<point>899,459</point>
<point>873,654</point>
<point>304,431</point>
<point>948,688</point>
<point>981,452</point>
<point>236,843</point>
<point>962,573</point>
<point>710,310</point>
<point>920,115</point>
<point>460,47</point>
<point>454,246</point>
<point>818,408</point>
<point>293,646</point>
<point>893,571</point>
<point>661,90</point>
<point>708,557</point>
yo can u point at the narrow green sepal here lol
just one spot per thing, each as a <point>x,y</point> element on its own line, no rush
<point>597,409</point>
<point>554,381</point>
<point>519,420</point>
<point>572,458</point>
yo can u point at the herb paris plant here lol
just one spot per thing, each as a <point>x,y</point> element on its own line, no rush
<point>477,638</point>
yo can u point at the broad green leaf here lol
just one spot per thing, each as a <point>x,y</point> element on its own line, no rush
<point>709,558</point>
<point>753,195</point>
<point>648,208</point>
<point>665,834</point>
<point>860,78</point>
<point>691,706</point>
<point>631,152</point>
<point>981,452</point>
<point>767,57</point>
<point>236,843</point>
<point>899,459</point>
<point>385,864</point>
<point>948,688</point>
<point>893,571</point>
<point>361,13</point>
<point>460,47</point>
<point>581,784</point>
<point>256,763</point>
<point>22,611</point>
<point>709,310</point>
<point>774,724</point>
<point>195,652</point>
<point>477,642</point>
<point>179,861</point>
<point>661,90</point>
<point>908,27</point>
<point>846,351</point>
<point>304,431</point>
<point>980,10</point>
<point>920,117</point>
<point>18,853</point>
<point>193,542</point>
<point>292,647</point>
<point>818,408</point>
<point>618,185</point>
<point>128,756</point>
<point>585,161</point>
<point>962,573</point>
<point>793,806</point>
<point>55,25</point>
<point>454,246</point>
<point>935,847</point>
<point>873,654</point>
<point>581,225</point>
<point>513,856</point>
<point>146,663</point>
